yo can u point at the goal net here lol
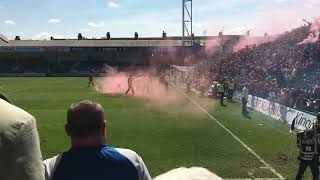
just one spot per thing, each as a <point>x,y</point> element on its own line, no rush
<point>179,74</point>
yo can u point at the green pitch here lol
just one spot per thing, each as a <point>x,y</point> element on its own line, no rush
<point>166,137</point>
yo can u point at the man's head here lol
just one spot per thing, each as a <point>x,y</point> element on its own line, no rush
<point>85,123</point>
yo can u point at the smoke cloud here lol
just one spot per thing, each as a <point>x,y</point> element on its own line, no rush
<point>212,46</point>
<point>277,17</point>
<point>281,16</point>
<point>147,85</point>
<point>248,40</point>
<point>144,84</point>
<point>314,32</point>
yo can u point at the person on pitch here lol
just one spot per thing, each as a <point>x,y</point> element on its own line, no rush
<point>130,85</point>
<point>221,91</point>
<point>203,85</point>
<point>91,77</point>
<point>167,80</point>
<point>231,87</point>
<point>188,82</point>
<point>244,99</point>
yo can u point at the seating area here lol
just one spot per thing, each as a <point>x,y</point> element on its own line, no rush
<point>279,70</point>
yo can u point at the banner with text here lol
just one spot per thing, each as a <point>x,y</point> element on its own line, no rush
<point>280,112</point>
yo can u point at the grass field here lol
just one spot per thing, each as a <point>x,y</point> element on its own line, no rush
<point>168,136</point>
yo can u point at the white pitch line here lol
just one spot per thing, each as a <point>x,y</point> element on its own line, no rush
<point>19,90</point>
<point>234,136</point>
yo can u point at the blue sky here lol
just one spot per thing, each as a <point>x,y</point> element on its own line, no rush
<point>40,19</point>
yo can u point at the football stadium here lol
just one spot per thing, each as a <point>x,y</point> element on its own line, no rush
<point>193,107</point>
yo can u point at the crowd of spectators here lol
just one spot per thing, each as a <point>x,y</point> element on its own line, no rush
<point>283,70</point>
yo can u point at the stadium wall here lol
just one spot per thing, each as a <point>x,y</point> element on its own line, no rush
<point>279,112</point>
<point>21,60</point>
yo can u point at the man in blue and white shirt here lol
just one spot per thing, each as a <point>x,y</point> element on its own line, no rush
<point>89,158</point>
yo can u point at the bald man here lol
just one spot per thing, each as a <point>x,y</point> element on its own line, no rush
<point>89,157</point>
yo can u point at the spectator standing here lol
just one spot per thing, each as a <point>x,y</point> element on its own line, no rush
<point>20,155</point>
<point>294,73</point>
<point>203,84</point>
<point>221,91</point>
<point>89,157</point>
<point>188,82</point>
<point>301,102</point>
<point>307,156</point>
<point>244,97</point>
<point>231,87</point>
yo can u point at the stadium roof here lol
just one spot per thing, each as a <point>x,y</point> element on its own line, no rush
<point>91,43</point>
<point>115,42</point>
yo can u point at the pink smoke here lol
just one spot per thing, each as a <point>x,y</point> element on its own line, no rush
<point>281,16</point>
<point>146,87</point>
<point>274,18</point>
<point>314,32</point>
<point>248,41</point>
<point>212,46</point>
<point>143,84</point>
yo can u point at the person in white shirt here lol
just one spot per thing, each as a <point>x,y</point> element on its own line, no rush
<point>244,97</point>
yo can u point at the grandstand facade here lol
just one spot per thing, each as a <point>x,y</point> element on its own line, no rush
<point>66,55</point>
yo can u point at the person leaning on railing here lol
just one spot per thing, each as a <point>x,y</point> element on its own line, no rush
<point>301,102</point>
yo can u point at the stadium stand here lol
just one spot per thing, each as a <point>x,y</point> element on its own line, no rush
<point>279,70</point>
<point>67,55</point>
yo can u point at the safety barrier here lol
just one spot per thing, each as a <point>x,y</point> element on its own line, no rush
<point>279,112</point>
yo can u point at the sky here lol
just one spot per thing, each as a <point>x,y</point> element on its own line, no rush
<point>40,19</point>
